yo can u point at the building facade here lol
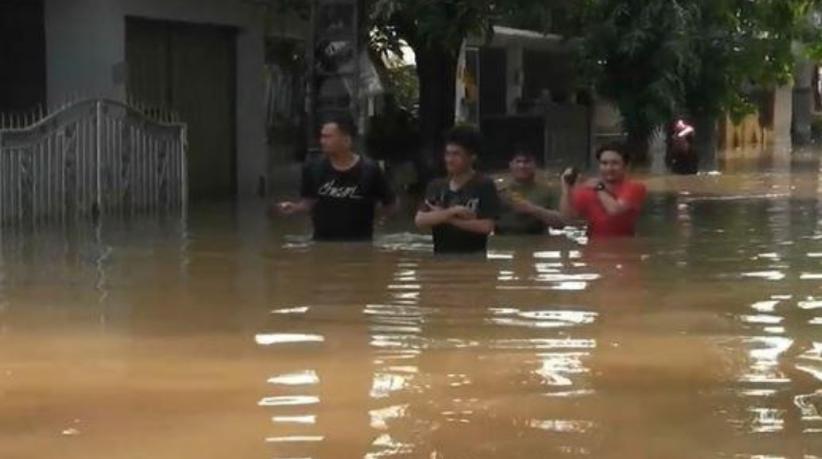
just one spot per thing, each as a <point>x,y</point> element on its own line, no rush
<point>204,59</point>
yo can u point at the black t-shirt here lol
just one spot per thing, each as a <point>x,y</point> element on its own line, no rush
<point>479,195</point>
<point>345,200</point>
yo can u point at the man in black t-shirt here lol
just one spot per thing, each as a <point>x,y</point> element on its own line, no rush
<point>461,209</point>
<point>342,189</point>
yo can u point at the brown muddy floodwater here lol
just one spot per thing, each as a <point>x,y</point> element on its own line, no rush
<point>234,337</point>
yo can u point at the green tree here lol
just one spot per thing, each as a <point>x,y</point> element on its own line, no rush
<point>655,58</point>
<point>811,32</point>
<point>635,53</point>
<point>435,30</point>
<point>739,45</point>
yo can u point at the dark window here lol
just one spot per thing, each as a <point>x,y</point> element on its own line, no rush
<point>493,82</point>
<point>22,55</point>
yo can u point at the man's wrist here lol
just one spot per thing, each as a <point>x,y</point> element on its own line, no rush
<point>529,209</point>
<point>602,188</point>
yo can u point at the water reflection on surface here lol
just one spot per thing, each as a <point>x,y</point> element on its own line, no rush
<point>235,336</point>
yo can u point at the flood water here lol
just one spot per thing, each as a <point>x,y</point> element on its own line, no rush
<point>232,336</point>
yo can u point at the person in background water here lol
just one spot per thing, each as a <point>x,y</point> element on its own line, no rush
<point>525,200</point>
<point>341,190</point>
<point>611,203</point>
<point>460,210</point>
<point>681,157</point>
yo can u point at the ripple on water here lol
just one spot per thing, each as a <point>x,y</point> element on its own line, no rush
<point>542,319</point>
<point>289,400</point>
<point>270,339</point>
<point>304,378</point>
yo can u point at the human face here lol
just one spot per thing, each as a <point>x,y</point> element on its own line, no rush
<point>333,140</point>
<point>612,168</point>
<point>523,168</point>
<point>457,159</point>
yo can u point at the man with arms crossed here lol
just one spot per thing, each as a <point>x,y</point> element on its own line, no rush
<point>460,209</point>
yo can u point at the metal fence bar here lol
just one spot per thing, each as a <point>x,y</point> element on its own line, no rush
<point>63,178</point>
<point>152,174</point>
<point>132,170</point>
<point>4,184</point>
<point>82,160</point>
<point>120,182</point>
<point>98,151</point>
<point>36,186</point>
<point>183,157</point>
<point>142,156</point>
<point>49,188</point>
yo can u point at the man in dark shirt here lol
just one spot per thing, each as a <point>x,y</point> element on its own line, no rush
<point>461,209</point>
<point>342,189</point>
<point>526,200</point>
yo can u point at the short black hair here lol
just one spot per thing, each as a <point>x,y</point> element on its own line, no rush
<point>524,151</point>
<point>618,148</point>
<point>466,136</point>
<point>344,121</point>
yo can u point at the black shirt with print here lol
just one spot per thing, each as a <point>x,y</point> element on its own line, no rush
<point>345,201</point>
<point>478,194</point>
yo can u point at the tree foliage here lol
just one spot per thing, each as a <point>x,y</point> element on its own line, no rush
<point>635,53</point>
<point>811,33</point>
<point>446,23</point>
<point>739,45</point>
<point>436,30</point>
<point>655,58</point>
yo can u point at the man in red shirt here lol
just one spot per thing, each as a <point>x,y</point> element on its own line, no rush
<point>611,203</point>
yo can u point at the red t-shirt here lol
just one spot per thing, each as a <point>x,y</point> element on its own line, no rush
<point>600,224</point>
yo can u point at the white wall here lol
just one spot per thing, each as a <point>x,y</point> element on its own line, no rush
<point>782,117</point>
<point>82,46</point>
<point>85,43</point>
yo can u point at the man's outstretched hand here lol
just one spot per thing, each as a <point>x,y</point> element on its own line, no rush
<point>286,208</point>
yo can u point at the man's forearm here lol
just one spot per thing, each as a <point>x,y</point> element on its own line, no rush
<point>611,204</point>
<point>565,209</point>
<point>687,131</point>
<point>479,226</point>
<point>305,205</point>
<point>432,218</point>
<point>552,218</point>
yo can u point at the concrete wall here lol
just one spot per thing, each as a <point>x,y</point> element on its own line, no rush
<point>83,44</point>
<point>782,117</point>
<point>803,101</point>
<point>607,119</point>
<point>85,56</point>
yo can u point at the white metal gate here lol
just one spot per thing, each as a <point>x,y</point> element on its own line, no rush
<point>92,158</point>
